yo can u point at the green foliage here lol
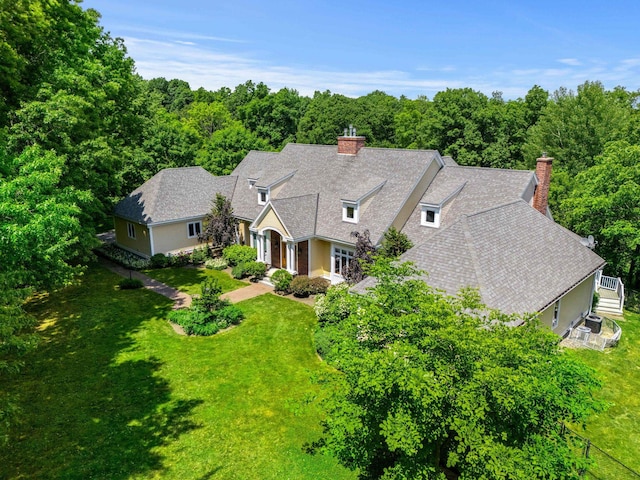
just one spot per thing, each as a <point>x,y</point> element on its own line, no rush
<point>199,255</point>
<point>123,257</point>
<point>229,315</point>
<point>431,381</point>
<point>281,280</point>
<point>130,284</point>
<point>220,226</point>
<point>394,243</point>
<point>301,286</point>
<point>237,254</point>
<point>159,260</point>
<point>335,305</point>
<point>573,128</point>
<point>240,271</point>
<point>216,263</point>
<point>179,259</point>
<point>255,270</point>
<point>605,203</point>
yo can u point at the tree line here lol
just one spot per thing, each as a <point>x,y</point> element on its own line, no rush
<point>79,129</point>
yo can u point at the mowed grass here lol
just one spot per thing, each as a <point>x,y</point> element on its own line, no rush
<point>617,430</point>
<point>113,393</point>
<point>188,279</point>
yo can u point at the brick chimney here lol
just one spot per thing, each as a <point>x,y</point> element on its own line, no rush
<point>350,144</point>
<point>543,172</point>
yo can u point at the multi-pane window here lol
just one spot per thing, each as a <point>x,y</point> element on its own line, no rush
<point>263,196</point>
<point>430,216</point>
<point>342,258</point>
<point>131,230</point>
<point>194,229</point>
<point>350,212</point>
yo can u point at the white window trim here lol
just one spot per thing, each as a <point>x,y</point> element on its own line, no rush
<point>131,230</point>
<point>345,206</point>
<point>260,192</point>
<point>252,182</point>
<point>197,230</point>
<point>337,251</point>
<point>436,217</point>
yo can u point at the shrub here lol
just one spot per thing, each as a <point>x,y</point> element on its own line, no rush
<point>123,257</point>
<point>229,315</point>
<point>319,285</point>
<point>199,255</point>
<point>130,284</point>
<point>210,296</point>
<point>301,286</point>
<point>239,271</point>
<point>195,321</point>
<point>159,260</point>
<point>255,270</point>
<point>237,254</point>
<point>281,280</point>
<point>335,305</point>
<point>179,259</point>
<point>216,264</point>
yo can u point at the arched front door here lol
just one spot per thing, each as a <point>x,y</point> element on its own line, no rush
<point>278,251</point>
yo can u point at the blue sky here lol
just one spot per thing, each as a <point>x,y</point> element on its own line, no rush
<point>405,47</point>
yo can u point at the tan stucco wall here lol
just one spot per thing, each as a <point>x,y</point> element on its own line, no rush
<point>270,220</point>
<point>416,195</point>
<point>139,244</point>
<point>320,261</point>
<point>245,234</point>
<point>173,237</point>
<point>572,306</point>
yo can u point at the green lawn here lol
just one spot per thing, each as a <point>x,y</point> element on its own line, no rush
<point>617,430</point>
<point>113,393</point>
<point>188,279</point>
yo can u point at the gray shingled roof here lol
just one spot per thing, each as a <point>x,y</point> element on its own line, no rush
<point>298,214</point>
<point>174,194</point>
<point>319,169</point>
<point>483,188</point>
<point>520,260</point>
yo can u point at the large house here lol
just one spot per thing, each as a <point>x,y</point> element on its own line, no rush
<point>480,227</point>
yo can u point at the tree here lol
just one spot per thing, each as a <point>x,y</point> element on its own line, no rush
<point>605,203</point>
<point>394,243</point>
<point>227,147</point>
<point>220,225</point>
<point>42,242</point>
<point>363,256</point>
<point>574,127</point>
<point>432,383</point>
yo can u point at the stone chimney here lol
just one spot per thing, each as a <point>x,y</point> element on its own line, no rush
<point>543,172</point>
<point>350,144</point>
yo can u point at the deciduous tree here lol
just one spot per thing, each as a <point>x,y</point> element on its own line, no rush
<point>220,226</point>
<point>430,382</point>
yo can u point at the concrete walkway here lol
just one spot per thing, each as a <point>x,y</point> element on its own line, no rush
<point>180,299</point>
<point>183,300</point>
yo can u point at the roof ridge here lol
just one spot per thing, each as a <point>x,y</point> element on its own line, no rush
<point>296,196</point>
<point>495,207</point>
<point>471,248</point>
<point>488,169</point>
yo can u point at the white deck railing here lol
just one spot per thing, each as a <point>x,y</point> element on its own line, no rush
<point>611,283</point>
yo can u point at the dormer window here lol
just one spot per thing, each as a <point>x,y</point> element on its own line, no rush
<point>252,182</point>
<point>430,216</point>
<point>349,212</point>
<point>263,196</point>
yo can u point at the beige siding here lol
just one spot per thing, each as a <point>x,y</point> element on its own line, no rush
<point>573,306</point>
<point>140,244</point>
<point>320,258</point>
<point>172,237</point>
<point>271,220</point>
<point>416,195</point>
<point>245,234</point>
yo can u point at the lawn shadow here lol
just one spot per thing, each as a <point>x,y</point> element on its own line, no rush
<point>92,405</point>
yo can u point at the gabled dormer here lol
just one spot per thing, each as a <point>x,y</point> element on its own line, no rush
<point>433,204</point>
<point>356,202</point>
<point>268,186</point>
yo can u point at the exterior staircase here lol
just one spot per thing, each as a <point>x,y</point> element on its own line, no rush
<point>611,291</point>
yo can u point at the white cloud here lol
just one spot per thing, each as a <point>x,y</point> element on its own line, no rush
<point>212,68</point>
<point>574,62</point>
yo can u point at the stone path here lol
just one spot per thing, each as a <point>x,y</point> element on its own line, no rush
<point>183,300</point>
<point>180,299</point>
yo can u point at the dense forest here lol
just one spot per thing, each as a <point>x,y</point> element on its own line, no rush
<point>79,129</point>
